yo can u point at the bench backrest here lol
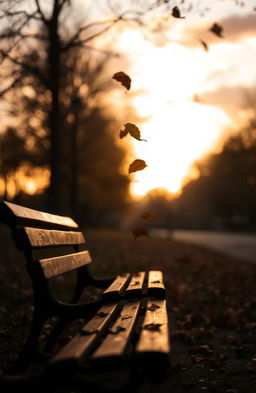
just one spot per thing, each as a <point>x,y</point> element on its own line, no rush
<point>33,229</point>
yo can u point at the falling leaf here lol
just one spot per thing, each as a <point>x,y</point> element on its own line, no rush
<point>176,13</point>
<point>137,232</point>
<point>133,130</point>
<point>217,30</point>
<point>123,78</point>
<point>154,327</point>
<point>137,165</point>
<point>153,307</point>
<point>149,215</point>
<point>205,45</point>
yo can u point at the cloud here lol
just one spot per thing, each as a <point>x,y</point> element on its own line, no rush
<point>235,28</point>
<point>232,99</point>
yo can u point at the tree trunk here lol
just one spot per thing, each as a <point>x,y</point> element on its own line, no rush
<point>55,188</point>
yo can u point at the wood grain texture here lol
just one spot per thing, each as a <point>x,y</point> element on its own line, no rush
<point>156,284</point>
<point>115,290</point>
<point>85,341</point>
<point>135,286</point>
<point>155,333</point>
<point>21,212</point>
<point>53,267</point>
<point>120,334</point>
<point>50,238</point>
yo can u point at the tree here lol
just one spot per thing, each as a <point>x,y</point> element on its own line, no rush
<point>36,37</point>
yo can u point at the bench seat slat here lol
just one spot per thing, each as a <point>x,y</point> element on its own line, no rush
<point>136,284</point>
<point>154,336</point>
<point>85,340</point>
<point>13,213</point>
<point>49,238</point>
<point>156,284</point>
<point>115,290</point>
<point>120,334</point>
<point>52,267</point>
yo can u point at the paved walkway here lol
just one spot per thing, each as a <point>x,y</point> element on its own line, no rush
<point>241,246</point>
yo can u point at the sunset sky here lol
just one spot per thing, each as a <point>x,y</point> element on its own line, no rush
<point>191,97</point>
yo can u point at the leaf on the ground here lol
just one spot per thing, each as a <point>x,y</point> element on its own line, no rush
<point>117,329</point>
<point>154,327</point>
<point>132,129</point>
<point>217,30</point>
<point>204,44</point>
<point>125,317</point>
<point>123,78</point>
<point>176,13</point>
<point>88,332</point>
<point>137,165</point>
<point>153,307</point>
<point>134,284</point>
<point>137,232</point>
<point>149,215</point>
<point>102,314</point>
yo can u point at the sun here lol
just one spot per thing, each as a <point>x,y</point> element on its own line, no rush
<point>177,135</point>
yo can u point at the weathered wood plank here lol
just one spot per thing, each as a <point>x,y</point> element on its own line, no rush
<point>120,333</point>
<point>13,211</point>
<point>156,283</point>
<point>52,267</point>
<point>115,290</point>
<point>85,341</point>
<point>50,238</point>
<point>154,336</point>
<point>135,286</point>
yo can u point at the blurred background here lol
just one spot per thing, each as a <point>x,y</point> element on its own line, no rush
<point>192,96</point>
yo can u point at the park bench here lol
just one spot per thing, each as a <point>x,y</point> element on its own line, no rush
<point>126,327</point>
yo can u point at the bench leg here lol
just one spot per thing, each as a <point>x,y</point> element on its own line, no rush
<point>30,351</point>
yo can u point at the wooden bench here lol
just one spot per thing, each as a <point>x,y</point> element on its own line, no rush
<point>127,326</point>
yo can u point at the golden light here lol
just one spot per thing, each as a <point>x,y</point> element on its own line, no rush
<point>176,136</point>
<point>178,130</point>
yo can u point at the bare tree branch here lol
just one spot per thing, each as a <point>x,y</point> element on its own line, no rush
<point>33,70</point>
<point>8,88</point>
<point>40,12</point>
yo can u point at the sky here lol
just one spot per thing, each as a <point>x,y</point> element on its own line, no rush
<point>191,98</point>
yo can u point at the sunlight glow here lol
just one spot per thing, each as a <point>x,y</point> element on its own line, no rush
<point>178,135</point>
<point>178,126</point>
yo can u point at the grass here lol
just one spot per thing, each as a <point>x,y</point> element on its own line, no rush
<point>211,304</point>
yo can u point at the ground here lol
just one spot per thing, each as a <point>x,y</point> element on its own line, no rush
<point>211,305</point>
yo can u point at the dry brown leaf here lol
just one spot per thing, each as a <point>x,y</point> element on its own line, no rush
<point>154,327</point>
<point>123,78</point>
<point>217,30</point>
<point>117,329</point>
<point>132,129</point>
<point>153,307</point>
<point>205,45</point>
<point>176,13</point>
<point>137,165</point>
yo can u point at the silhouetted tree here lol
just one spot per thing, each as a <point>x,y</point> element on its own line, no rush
<point>35,37</point>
